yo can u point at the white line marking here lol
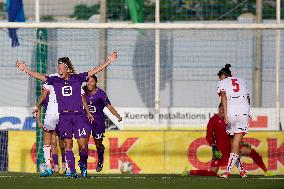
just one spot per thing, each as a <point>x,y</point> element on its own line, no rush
<point>271,178</point>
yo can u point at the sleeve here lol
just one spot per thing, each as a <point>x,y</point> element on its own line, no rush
<point>83,76</point>
<point>50,80</point>
<point>210,132</point>
<point>221,87</point>
<point>46,87</point>
<point>105,100</point>
<point>82,92</point>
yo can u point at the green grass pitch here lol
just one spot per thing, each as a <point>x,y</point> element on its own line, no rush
<point>116,181</point>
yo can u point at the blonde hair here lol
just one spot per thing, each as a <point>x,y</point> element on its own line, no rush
<point>67,62</point>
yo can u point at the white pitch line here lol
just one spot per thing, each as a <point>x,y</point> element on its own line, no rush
<point>271,178</point>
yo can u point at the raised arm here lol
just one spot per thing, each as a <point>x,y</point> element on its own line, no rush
<point>22,66</point>
<point>101,67</point>
<point>114,112</point>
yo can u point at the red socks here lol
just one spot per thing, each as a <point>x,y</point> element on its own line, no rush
<point>257,159</point>
<point>202,173</point>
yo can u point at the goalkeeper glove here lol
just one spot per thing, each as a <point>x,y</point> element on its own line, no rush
<point>217,154</point>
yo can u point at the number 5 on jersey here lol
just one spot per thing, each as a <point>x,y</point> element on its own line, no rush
<point>236,85</point>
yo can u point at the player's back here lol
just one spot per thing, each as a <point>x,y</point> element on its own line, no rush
<point>237,95</point>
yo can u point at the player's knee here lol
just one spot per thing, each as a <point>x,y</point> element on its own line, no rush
<point>83,147</point>
<point>54,143</point>
<point>68,147</point>
<point>235,147</point>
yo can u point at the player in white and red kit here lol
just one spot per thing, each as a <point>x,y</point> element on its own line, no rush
<point>49,102</point>
<point>236,102</point>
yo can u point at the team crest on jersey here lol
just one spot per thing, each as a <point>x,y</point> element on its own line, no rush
<point>92,108</point>
<point>67,91</point>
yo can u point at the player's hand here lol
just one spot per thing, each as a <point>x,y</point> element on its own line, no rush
<point>226,120</point>
<point>39,125</point>
<point>119,119</point>
<point>112,57</point>
<point>21,65</point>
<point>90,118</point>
<point>217,154</point>
<point>34,112</point>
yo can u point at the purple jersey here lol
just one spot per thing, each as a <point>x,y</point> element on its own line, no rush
<point>96,103</point>
<point>68,92</point>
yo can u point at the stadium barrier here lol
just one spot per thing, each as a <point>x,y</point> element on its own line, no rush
<point>20,118</point>
<point>151,152</point>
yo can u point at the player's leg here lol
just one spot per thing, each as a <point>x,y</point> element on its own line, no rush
<point>214,167</point>
<point>63,157</point>
<point>100,150</point>
<point>66,129</point>
<point>54,152</point>
<point>83,153</point>
<point>47,148</point>
<point>238,127</point>
<point>246,150</point>
<point>47,153</point>
<point>82,136</point>
<point>234,155</point>
<point>241,168</point>
<point>70,158</point>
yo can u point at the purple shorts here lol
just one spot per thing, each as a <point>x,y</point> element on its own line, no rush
<point>73,123</point>
<point>98,130</point>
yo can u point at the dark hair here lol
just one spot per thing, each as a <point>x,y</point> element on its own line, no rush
<point>67,62</point>
<point>85,88</point>
<point>95,78</point>
<point>220,105</point>
<point>226,70</point>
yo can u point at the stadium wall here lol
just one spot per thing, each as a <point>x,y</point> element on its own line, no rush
<point>151,152</point>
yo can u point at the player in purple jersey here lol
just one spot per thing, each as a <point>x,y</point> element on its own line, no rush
<point>72,120</point>
<point>97,100</point>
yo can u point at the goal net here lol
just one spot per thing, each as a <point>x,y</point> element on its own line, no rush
<point>189,62</point>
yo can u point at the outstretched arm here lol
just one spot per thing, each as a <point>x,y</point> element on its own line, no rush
<point>101,67</point>
<point>22,66</point>
<point>114,112</point>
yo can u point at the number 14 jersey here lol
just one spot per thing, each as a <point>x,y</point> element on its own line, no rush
<point>237,95</point>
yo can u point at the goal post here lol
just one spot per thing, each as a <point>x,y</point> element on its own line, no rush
<point>41,67</point>
<point>190,56</point>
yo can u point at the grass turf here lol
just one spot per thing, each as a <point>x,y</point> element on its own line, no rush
<point>30,181</point>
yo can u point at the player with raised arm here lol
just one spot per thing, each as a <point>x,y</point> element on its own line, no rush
<point>49,101</point>
<point>72,120</point>
<point>97,99</point>
<point>219,140</point>
<point>236,103</point>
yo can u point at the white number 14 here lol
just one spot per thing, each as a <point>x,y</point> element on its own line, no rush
<point>83,133</point>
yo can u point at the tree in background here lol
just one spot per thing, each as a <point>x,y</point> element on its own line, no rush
<point>180,10</point>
